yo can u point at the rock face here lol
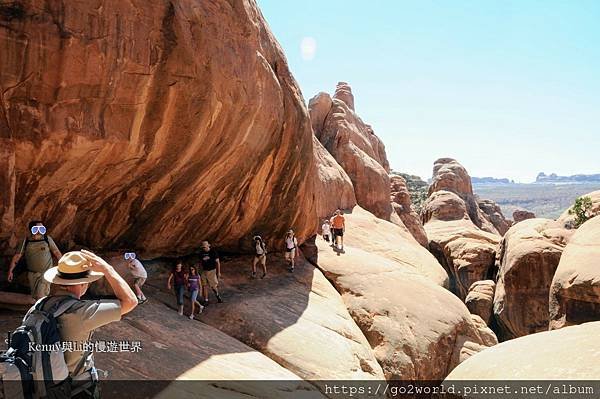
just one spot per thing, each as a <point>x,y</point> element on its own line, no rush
<point>402,204</point>
<point>334,189</point>
<point>480,299</point>
<point>575,292</point>
<point>521,214</point>
<point>528,257</point>
<point>466,252</point>
<point>568,220</point>
<point>449,175</point>
<point>494,214</point>
<point>412,337</point>
<point>154,127</point>
<point>355,147</point>
<point>550,355</point>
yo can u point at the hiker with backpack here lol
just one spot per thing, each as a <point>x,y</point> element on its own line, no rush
<point>338,222</point>
<point>211,271</point>
<point>139,274</point>
<point>291,249</point>
<point>35,359</point>
<point>35,257</point>
<point>177,279</point>
<point>193,284</point>
<point>260,256</point>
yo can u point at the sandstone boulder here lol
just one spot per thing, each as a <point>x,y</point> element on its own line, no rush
<point>450,175</point>
<point>480,299</point>
<point>466,252</point>
<point>152,127</point>
<point>357,149</point>
<point>575,292</point>
<point>318,108</point>
<point>417,329</point>
<point>522,214</point>
<point>553,355</point>
<point>494,214</point>
<point>568,220</point>
<point>402,204</point>
<point>334,188</point>
<point>528,257</point>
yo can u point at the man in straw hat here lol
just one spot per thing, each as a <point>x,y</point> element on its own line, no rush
<point>75,271</point>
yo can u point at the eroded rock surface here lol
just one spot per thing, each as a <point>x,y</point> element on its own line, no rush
<point>152,130</point>
<point>494,214</point>
<point>568,220</point>
<point>522,214</point>
<point>528,257</point>
<point>480,299</point>
<point>575,292</point>
<point>355,147</point>
<point>401,202</point>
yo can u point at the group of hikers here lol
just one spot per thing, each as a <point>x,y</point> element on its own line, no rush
<point>61,312</point>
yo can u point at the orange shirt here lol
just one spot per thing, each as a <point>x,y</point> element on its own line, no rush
<point>337,222</point>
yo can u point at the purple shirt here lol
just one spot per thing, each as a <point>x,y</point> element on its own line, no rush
<point>193,281</point>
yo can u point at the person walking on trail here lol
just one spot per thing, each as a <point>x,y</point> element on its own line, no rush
<point>177,280</point>
<point>338,222</point>
<point>260,256</point>
<point>326,230</point>
<point>193,283</point>
<point>211,271</point>
<point>139,274</point>
<point>291,249</point>
<point>70,280</point>
<point>38,249</point>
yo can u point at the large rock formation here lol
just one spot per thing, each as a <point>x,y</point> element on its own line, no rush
<point>575,291</point>
<point>125,124</point>
<point>568,220</point>
<point>401,202</point>
<point>466,252</point>
<point>522,214</point>
<point>355,147</point>
<point>571,353</point>
<point>417,329</point>
<point>528,257</point>
<point>480,299</point>
<point>450,175</point>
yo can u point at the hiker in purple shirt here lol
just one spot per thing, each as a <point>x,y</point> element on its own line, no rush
<point>193,283</point>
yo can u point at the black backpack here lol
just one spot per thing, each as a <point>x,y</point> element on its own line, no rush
<point>21,266</point>
<point>30,371</point>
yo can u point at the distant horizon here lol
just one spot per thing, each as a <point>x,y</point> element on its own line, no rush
<point>507,89</point>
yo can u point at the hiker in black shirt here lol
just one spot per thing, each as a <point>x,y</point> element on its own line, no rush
<point>211,271</point>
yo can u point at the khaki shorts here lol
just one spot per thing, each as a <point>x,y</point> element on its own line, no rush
<point>262,259</point>
<point>209,278</point>
<point>139,281</point>
<point>39,287</point>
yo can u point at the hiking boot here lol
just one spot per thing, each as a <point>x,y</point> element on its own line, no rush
<point>219,299</point>
<point>291,269</point>
<point>253,275</point>
<point>200,309</point>
<point>263,275</point>
<point>192,316</point>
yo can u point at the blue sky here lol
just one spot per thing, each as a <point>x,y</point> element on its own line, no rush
<point>509,88</point>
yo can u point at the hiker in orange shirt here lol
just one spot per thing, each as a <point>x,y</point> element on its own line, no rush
<point>338,223</point>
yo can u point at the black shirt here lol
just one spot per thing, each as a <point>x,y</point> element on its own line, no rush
<point>208,259</point>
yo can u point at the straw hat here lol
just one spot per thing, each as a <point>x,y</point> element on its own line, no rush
<point>72,269</point>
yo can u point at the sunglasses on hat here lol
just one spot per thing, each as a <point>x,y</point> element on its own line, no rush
<point>38,229</point>
<point>129,255</point>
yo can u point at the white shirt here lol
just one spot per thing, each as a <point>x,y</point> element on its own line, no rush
<point>259,250</point>
<point>326,228</point>
<point>291,243</point>
<point>138,269</point>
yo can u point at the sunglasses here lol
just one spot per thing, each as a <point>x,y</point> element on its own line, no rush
<point>38,229</point>
<point>129,255</point>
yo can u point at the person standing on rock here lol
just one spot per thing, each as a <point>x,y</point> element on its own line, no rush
<point>260,256</point>
<point>326,230</point>
<point>139,275</point>
<point>38,249</point>
<point>177,280</point>
<point>211,271</point>
<point>70,280</point>
<point>193,283</point>
<point>291,249</point>
<point>338,222</point>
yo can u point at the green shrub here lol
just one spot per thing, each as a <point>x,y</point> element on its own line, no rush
<point>582,210</point>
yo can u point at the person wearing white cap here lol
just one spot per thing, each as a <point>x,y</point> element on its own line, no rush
<point>291,247</point>
<point>75,271</point>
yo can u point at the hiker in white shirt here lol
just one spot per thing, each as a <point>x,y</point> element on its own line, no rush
<point>291,249</point>
<point>326,230</point>
<point>139,274</point>
<point>260,256</point>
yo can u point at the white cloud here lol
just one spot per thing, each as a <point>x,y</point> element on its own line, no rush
<point>308,48</point>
